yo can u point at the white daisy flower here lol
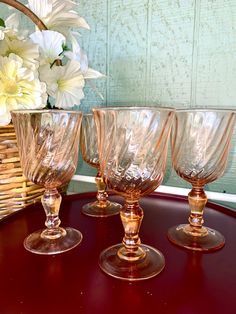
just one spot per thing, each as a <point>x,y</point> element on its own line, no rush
<point>2,35</point>
<point>64,83</point>
<point>25,49</point>
<point>58,15</point>
<point>78,54</point>
<point>19,88</point>
<point>24,58</point>
<point>12,22</point>
<point>11,28</point>
<point>50,45</point>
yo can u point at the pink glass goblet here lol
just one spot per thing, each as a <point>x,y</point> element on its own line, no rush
<point>200,141</point>
<point>132,145</point>
<point>48,142</point>
<point>102,207</point>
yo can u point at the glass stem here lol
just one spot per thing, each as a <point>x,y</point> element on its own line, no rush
<point>197,200</point>
<point>131,217</point>
<point>101,188</point>
<point>51,201</point>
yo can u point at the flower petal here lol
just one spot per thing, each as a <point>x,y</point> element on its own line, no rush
<point>93,74</point>
<point>41,8</point>
<point>5,119</point>
<point>50,43</point>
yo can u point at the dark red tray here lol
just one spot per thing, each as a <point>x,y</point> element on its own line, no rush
<point>191,283</point>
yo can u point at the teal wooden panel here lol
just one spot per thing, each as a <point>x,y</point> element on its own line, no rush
<point>215,45</point>
<point>127,31</point>
<point>171,45</point>
<point>94,43</point>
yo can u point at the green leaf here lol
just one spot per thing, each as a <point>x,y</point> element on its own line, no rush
<point>65,47</point>
<point>2,23</point>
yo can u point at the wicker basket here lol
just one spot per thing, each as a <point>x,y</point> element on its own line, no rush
<point>16,191</point>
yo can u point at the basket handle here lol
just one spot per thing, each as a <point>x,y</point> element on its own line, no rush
<point>22,8</point>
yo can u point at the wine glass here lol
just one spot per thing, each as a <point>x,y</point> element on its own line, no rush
<point>48,142</point>
<point>88,145</point>
<point>200,141</point>
<point>132,145</point>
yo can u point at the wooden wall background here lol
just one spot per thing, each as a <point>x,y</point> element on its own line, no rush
<point>166,52</point>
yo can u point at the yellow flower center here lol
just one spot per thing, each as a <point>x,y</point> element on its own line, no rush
<point>62,84</point>
<point>10,88</point>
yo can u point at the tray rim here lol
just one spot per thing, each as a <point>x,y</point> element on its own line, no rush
<point>211,205</point>
<point>161,195</point>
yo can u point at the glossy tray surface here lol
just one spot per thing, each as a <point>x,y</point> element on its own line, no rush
<point>72,282</point>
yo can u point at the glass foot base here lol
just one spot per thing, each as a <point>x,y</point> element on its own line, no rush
<point>212,241</point>
<point>35,243</point>
<point>92,209</point>
<point>148,267</point>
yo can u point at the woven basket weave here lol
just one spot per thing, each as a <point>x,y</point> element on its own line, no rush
<point>16,191</point>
